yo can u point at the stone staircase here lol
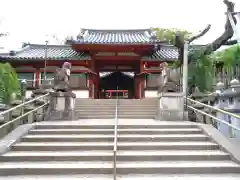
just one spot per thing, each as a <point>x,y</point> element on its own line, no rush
<point>67,149</point>
<point>95,108</point>
<point>137,108</point>
<point>105,108</point>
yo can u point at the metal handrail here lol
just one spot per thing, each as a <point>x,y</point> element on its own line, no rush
<point>211,116</point>
<point>23,104</point>
<point>25,114</point>
<point>214,108</point>
<point>34,80</point>
<point>115,139</point>
<point>10,125</point>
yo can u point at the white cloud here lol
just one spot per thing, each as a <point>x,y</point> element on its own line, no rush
<point>30,21</point>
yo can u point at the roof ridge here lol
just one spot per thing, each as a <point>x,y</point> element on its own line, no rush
<point>49,45</point>
<point>116,30</point>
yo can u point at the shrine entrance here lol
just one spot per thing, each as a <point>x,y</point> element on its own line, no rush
<point>113,84</point>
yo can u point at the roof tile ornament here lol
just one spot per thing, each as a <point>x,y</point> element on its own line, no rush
<point>153,35</point>
<point>81,34</point>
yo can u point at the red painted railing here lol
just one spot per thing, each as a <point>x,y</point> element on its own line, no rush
<point>113,93</point>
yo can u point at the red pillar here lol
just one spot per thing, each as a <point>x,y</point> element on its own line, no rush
<point>37,77</point>
<point>97,85</point>
<point>137,83</point>
<point>140,79</point>
<point>89,85</point>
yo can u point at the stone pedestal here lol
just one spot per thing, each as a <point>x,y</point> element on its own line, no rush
<point>62,106</point>
<point>170,107</point>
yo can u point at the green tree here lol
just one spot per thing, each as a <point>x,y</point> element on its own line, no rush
<point>230,56</point>
<point>9,83</point>
<point>169,34</point>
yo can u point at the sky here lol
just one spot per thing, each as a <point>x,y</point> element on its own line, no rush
<point>36,21</point>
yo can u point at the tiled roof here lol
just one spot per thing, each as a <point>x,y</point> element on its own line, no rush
<point>165,53</point>
<point>54,52</point>
<point>169,53</point>
<point>93,36</point>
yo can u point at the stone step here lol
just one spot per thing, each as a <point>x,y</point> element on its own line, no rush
<point>104,107</point>
<point>90,110</point>
<point>135,108</point>
<point>128,177</point>
<point>138,105</point>
<point>96,101</point>
<point>17,156</point>
<point>119,113</point>
<point>127,167</point>
<point>98,107</point>
<point>121,138</point>
<point>120,126</point>
<point>95,117</point>
<point>160,155</point>
<point>56,168</point>
<point>95,105</point>
<point>96,112</point>
<point>136,146</point>
<point>120,131</point>
<point>136,116</point>
<point>81,117</point>
<point>137,112</point>
<point>177,167</point>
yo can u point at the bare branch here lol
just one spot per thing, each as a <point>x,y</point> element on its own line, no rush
<point>202,33</point>
<point>216,44</point>
<point>227,34</point>
<point>231,42</point>
<point>3,34</point>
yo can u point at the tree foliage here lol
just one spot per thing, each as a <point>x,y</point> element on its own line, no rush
<point>230,56</point>
<point>9,83</point>
<point>169,34</point>
<point>201,71</point>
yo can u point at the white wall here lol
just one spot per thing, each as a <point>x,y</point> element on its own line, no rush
<point>81,93</point>
<point>150,93</point>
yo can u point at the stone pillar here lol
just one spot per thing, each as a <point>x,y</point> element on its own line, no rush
<point>62,106</point>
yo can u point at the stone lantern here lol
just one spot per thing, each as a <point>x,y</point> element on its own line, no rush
<point>233,105</point>
<point>197,95</point>
<point>220,103</point>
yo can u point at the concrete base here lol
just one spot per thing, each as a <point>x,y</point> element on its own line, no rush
<point>170,107</point>
<point>62,115</point>
<point>62,106</point>
<point>171,116</point>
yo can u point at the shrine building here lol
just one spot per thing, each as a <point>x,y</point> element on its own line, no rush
<point>103,62</point>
